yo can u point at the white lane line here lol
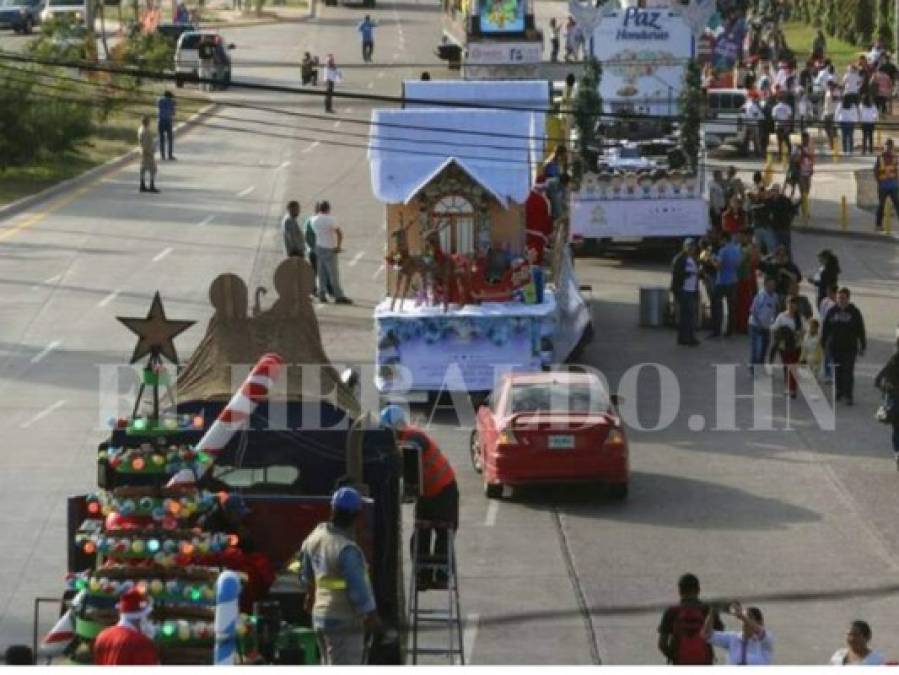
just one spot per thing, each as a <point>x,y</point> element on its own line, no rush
<point>312,146</point>
<point>109,298</point>
<point>53,279</point>
<point>284,165</point>
<point>356,259</point>
<point>370,85</point>
<point>162,254</point>
<point>469,635</point>
<point>492,510</point>
<point>244,193</point>
<point>46,350</point>
<point>206,221</point>
<point>43,413</point>
<point>337,124</point>
<point>378,271</point>
<point>380,74</point>
<point>348,110</point>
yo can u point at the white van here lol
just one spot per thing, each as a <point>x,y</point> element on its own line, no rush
<point>187,58</point>
<point>77,10</point>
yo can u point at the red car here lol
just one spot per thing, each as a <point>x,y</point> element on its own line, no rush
<point>550,427</point>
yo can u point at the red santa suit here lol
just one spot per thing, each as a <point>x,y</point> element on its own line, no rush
<point>125,644</point>
<point>538,221</point>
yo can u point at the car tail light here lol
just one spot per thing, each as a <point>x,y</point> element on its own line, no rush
<point>506,437</point>
<point>615,436</point>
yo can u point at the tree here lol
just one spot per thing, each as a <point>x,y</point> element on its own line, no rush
<point>587,110</point>
<point>691,112</point>
<point>885,22</point>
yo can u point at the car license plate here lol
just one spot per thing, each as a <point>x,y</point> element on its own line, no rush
<point>561,442</point>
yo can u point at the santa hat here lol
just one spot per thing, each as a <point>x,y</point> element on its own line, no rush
<point>133,604</point>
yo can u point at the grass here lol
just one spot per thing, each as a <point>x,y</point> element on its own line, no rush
<point>800,36</point>
<point>114,137</point>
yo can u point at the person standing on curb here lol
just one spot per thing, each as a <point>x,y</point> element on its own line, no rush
<point>886,172</point>
<point>334,572</point>
<point>887,380</point>
<point>147,143</point>
<point>206,54</point>
<point>328,245</point>
<point>680,631</point>
<point>843,335</point>
<point>555,31</point>
<point>685,288</point>
<point>165,124</point>
<point>367,29</point>
<point>332,77</point>
<point>294,241</point>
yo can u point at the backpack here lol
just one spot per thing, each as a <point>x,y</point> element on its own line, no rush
<point>690,648</point>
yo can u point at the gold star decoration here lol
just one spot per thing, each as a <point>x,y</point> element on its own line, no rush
<point>156,332</point>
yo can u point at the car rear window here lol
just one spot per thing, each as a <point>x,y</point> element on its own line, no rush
<point>191,41</point>
<point>576,397</point>
<point>65,3</point>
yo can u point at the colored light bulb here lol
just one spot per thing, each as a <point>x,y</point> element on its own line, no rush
<point>158,460</point>
<point>175,507</point>
<point>140,423</point>
<point>90,547</point>
<point>138,464</point>
<point>196,594</point>
<point>233,540</point>
<point>81,584</point>
<point>198,422</point>
<point>93,507</point>
<point>153,545</point>
<point>168,629</point>
<point>187,548</point>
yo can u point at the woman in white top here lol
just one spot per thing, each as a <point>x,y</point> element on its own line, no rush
<point>751,646</point>
<point>847,117</point>
<point>867,113</point>
<point>852,83</point>
<point>857,652</point>
<point>829,110</point>
<point>786,340</point>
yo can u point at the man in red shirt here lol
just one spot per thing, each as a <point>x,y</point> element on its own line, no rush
<point>126,643</point>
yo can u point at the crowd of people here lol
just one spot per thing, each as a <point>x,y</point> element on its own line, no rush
<point>691,630</point>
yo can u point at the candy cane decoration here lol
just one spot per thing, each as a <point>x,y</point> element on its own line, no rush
<point>227,592</point>
<point>236,415</point>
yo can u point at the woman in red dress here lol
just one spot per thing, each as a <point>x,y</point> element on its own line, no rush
<point>733,219</point>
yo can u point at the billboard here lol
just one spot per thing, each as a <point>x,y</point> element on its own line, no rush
<point>501,16</point>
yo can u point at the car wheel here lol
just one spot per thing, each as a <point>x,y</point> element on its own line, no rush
<point>493,490</point>
<point>618,491</point>
<point>474,450</point>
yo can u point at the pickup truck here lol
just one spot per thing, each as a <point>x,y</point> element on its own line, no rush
<point>725,119</point>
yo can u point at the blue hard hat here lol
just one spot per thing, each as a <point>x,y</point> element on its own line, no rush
<point>346,499</point>
<point>393,416</point>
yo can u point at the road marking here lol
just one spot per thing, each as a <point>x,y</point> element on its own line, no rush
<point>312,146</point>
<point>356,259</point>
<point>38,217</point>
<point>378,271</point>
<point>47,282</point>
<point>348,110</point>
<point>380,74</point>
<point>469,635</point>
<point>46,350</point>
<point>244,193</point>
<point>284,165</point>
<point>492,510</point>
<point>162,254</point>
<point>206,221</point>
<point>43,413</point>
<point>370,85</point>
<point>337,124</point>
<point>109,298</point>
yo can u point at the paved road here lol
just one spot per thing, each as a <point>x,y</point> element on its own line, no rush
<point>548,576</point>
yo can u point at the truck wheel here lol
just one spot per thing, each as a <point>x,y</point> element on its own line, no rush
<point>493,491</point>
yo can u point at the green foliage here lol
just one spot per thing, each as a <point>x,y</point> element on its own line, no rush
<point>885,22</point>
<point>147,51</point>
<point>62,39</point>
<point>587,108</point>
<point>258,5</point>
<point>691,112</point>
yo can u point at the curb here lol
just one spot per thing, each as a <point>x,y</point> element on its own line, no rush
<point>869,236</point>
<point>249,23</point>
<point>25,203</point>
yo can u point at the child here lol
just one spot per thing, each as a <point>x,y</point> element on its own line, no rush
<point>812,354</point>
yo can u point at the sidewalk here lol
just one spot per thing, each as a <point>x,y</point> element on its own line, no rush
<point>833,180</point>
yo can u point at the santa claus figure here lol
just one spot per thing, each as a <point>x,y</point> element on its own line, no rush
<point>538,221</point>
<point>130,641</point>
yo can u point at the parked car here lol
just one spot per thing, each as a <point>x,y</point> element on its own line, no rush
<point>187,58</point>
<point>20,15</point>
<point>550,427</point>
<point>73,9</point>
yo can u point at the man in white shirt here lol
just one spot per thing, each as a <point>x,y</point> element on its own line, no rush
<point>685,287</point>
<point>783,116</point>
<point>754,116</point>
<point>824,76</point>
<point>829,111</point>
<point>332,77</point>
<point>852,82</point>
<point>328,242</point>
<point>857,652</point>
<point>751,646</point>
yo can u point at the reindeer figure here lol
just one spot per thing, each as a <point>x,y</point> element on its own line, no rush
<point>407,266</point>
<point>452,271</point>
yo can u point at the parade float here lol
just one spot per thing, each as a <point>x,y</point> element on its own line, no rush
<point>205,494</point>
<point>468,294</point>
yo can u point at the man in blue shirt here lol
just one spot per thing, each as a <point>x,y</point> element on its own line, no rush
<point>727,261</point>
<point>332,563</point>
<point>166,108</point>
<point>367,29</point>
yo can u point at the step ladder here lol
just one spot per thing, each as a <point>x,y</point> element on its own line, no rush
<point>451,617</point>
